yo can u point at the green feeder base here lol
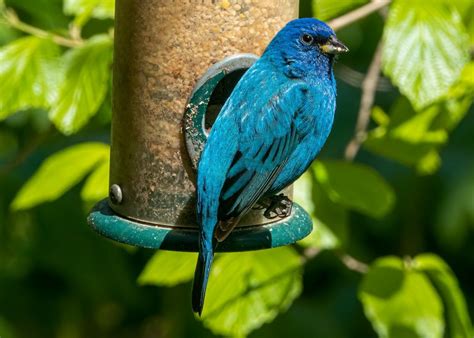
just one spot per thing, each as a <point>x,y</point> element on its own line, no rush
<point>287,231</point>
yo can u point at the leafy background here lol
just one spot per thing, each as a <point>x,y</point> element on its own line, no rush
<point>391,253</point>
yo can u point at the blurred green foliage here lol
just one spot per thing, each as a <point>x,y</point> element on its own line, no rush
<point>411,191</point>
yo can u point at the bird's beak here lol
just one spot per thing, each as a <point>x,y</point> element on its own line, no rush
<point>334,46</point>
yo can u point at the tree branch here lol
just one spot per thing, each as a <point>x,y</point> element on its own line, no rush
<point>369,87</point>
<point>357,14</point>
<point>11,19</point>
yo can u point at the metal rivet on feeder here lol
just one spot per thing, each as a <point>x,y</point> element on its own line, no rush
<point>115,194</point>
<point>163,109</point>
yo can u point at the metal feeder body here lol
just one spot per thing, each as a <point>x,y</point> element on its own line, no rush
<point>176,62</point>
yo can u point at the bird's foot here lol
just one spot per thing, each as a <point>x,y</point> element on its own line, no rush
<point>279,206</point>
<point>263,203</point>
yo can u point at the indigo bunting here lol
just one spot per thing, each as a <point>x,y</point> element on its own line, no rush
<point>269,130</point>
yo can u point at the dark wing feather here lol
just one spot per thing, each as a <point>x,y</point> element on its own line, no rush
<point>268,141</point>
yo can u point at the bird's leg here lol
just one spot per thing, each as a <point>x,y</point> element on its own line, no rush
<point>280,206</point>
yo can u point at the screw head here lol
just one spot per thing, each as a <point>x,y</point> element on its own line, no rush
<point>115,194</point>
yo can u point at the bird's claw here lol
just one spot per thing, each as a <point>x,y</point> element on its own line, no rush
<point>259,206</point>
<point>280,206</point>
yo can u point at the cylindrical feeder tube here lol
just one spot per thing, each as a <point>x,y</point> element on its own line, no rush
<point>162,48</point>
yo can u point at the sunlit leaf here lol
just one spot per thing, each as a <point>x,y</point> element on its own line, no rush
<point>249,289</point>
<point>355,186</point>
<point>458,321</point>
<point>410,138</point>
<point>429,163</point>
<point>425,49</point>
<point>59,173</point>
<point>409,154</point>
<point>380,117</point>
<point>416,129</point>
<point>99,9</point>
<point>457,101</point>
<point>400,301</point>
<point>168,268</point>
<point>329,219</point>
<point>85,85</point>
<point>96,186</point>
<point>29,70</point>
<point>328,9</point>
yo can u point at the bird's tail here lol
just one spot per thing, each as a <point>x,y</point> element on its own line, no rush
<point>201,276</point>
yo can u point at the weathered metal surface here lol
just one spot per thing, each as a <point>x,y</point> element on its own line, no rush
<point>162,48</point>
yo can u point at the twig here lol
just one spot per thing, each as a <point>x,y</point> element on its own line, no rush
<point>75,32</point>
<point>13,21</point>
<point>369,87</point>
<point>353,264</point>
<point>350,262</point>
<point>357,14</point>
<point>310,253</point>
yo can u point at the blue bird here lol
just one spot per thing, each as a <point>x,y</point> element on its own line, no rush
<point>268,132</point>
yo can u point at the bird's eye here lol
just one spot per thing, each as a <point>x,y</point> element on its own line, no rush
<point>307,39</point>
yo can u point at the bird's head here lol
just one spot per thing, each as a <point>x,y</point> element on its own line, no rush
<point>305,47</point>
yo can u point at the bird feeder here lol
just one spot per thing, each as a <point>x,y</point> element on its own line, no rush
<point>175,64</point>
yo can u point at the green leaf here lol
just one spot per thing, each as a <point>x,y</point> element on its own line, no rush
<point>380,117</point>
<point>96,186</point>
<point>425,49</point>
<point>7,34</point>
<point>414,139</point>
<point>408,137</point>
<point>470,28</point>
<point>462,6</point>
<point>168,268</point>
<point>84,9</point>
<point>443,279</point>
<point>409,154</point>
<point>330,220</point>
<point>429,163</point>
<point>355,186</point>
<point>249,289</point>
<point>59,173</point>
<point>416,129</point>
<point>400,301</point>
<point>85,85</point>
<point>458,100</point>
<point>328,9</point>
<point>28,74</point>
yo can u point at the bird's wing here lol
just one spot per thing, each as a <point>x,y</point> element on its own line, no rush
<point>267,139</point>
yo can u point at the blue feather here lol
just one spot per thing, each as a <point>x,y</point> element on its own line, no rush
<point>268,132</point>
